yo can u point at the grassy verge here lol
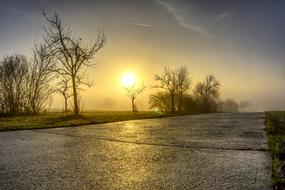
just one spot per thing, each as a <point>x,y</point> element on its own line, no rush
<point>50,120</point>
<point>275,127</point>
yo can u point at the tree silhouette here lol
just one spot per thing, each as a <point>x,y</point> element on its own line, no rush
<point>64,90</point>
<point>132,92</point>
<point>176,82</point>
<point>207,92</point>
<point>183,85</point>
<point>14,77</point>
<point>71,53</point>
<point>41,75</point>
<point>168,81</point>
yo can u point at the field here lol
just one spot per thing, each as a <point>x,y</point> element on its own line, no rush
<point>275,126</point>
<point>57,119</point>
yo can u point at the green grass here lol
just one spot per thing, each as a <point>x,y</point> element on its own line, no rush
<point>56,119</point>
<point>275,127</point>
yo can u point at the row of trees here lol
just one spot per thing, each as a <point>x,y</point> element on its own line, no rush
<point>62,58</point>
<point>175,95</point>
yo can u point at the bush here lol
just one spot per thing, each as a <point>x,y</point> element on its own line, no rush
<point>275,125</point>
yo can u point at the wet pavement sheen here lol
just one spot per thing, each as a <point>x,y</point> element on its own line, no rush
<point>205,151</point>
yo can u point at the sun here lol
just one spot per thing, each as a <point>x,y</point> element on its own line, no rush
<point>128,80</point>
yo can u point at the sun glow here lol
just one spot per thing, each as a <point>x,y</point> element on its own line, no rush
<point>128,80</point>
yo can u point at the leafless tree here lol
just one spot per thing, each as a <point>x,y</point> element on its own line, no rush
<point>41,76</point>
<point>183,83</point>
<point>72,54</point>
<point>132,92</point>
<point>207,93</point>
<point>168,81</point>
<point>176,82</point>
<point>13,84</point>
<point>64,90</point>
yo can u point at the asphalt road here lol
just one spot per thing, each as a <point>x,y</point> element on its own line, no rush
<point>210,151</point>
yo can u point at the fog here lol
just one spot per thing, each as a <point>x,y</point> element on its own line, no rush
<point>241,45</point>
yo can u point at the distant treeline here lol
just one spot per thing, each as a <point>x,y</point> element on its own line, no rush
<point>176,96</point>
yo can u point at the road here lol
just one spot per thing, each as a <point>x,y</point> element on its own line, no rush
<point>205,151</point>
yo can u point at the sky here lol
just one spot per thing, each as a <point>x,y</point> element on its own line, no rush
<point>241,42</point>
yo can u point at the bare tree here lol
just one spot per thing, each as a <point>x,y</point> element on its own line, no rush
<point>14,74</point>
<point>183,83</point>
<point>64,90</point>
<point>176,82</point>
<point>41,75</point>
<point>168,81</point>
<point>207,93</point>
<point>132,92</point>
<point>72,54</point>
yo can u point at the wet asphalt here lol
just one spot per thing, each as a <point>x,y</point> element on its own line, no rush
<point>205,151</point>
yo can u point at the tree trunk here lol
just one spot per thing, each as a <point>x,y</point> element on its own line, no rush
<point>75,100</point>
<point>172,103</point>
<point>206,104</point>
<point>65,104</point>
<point>180,102</point>
<point>133,106</point>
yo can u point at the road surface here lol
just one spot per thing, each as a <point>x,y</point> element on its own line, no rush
<point>206,151</point>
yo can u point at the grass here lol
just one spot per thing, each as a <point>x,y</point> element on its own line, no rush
<point>275,127</point>
<point>56,119</point>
